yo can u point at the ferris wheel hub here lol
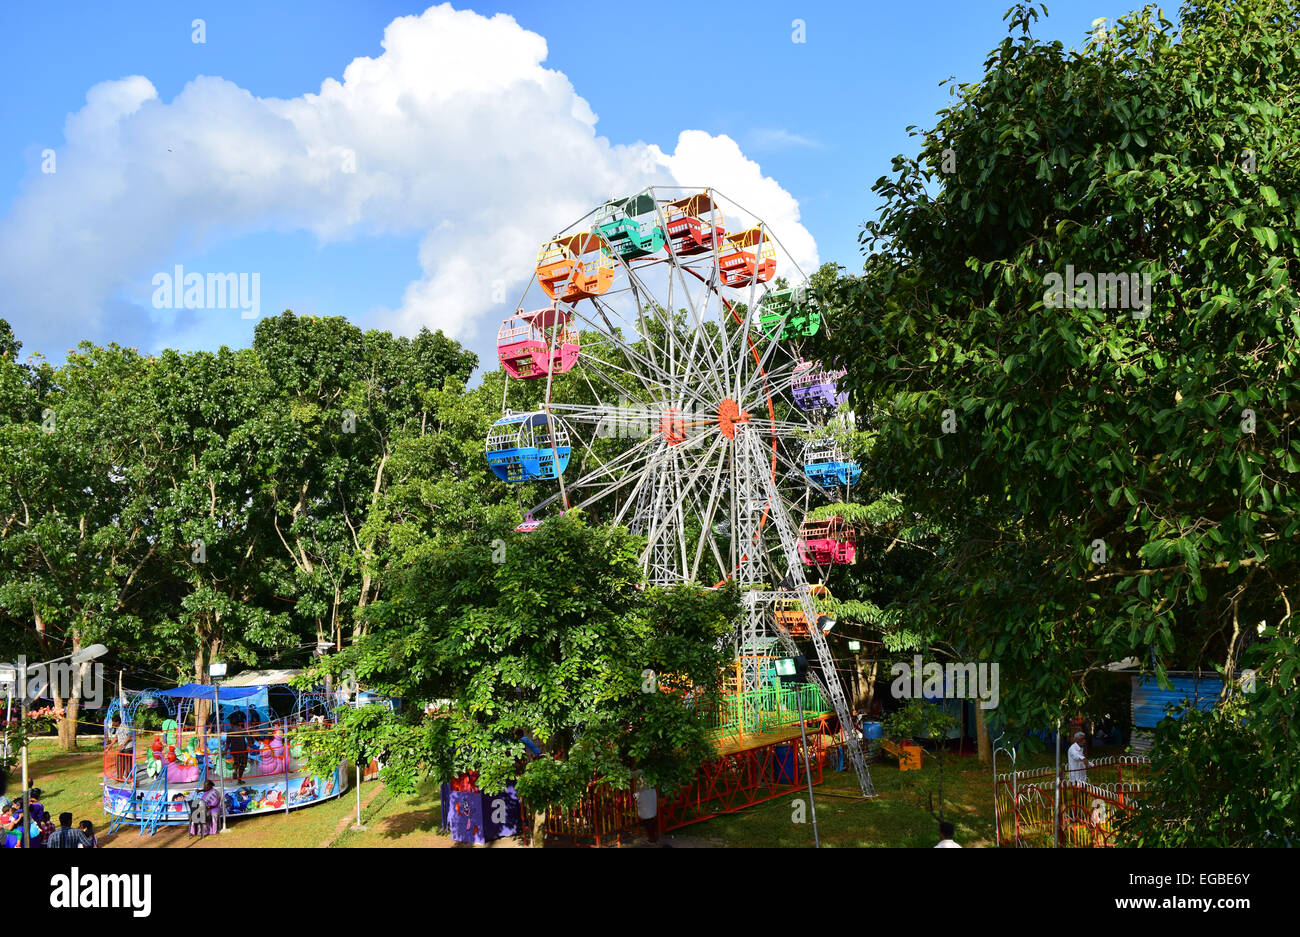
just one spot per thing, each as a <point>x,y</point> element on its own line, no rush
<point>729,414</point>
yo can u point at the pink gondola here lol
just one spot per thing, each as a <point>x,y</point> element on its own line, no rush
<point>534,344</point>
<point>828,541</point>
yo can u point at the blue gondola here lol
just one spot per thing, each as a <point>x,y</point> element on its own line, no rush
<point>525,447</point>
<point>825,463</point>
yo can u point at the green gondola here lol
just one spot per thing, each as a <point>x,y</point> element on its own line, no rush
<point>616,222</point>
<point>801,316</point>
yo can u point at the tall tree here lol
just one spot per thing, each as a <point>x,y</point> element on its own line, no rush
<point>79,534</point>
<point>344,401</point>
<point>1116,464</point>
<point>549,633</point>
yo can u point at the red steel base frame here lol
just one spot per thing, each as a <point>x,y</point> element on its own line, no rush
<point>742,779</point>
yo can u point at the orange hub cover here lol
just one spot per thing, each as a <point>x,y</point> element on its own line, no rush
<point>729,414</point>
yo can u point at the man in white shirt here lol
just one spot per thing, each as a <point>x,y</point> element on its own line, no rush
<point>647,806</point>
<point>1078,763</point>
<point>946,832</point>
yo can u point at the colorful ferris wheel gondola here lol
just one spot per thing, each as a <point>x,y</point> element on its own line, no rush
<point>525,447</point>
<point>533,344</point>
<point>694,224</point>
<point>825,462</point>
<point>789,612</point>
<point>789,313</point>
<point>815,388</point>
<point>578,266</point>
<point>827,542</point>
<point>617,221</point>
<point>748,257</point>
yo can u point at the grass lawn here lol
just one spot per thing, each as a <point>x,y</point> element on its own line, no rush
<point>898,817</point>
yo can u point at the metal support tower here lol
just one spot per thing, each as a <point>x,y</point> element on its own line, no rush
<point>760,499</point>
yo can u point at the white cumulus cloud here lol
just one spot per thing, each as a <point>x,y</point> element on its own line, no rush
<point>457,134</point>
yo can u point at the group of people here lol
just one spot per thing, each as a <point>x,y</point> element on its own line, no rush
<point>41,831</point>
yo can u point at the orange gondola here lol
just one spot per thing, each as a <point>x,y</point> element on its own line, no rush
<point>789,613</point>
<point>574,267</point>
<point>749,257</point>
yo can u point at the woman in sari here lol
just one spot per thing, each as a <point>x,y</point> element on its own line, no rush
<point>205,810</point>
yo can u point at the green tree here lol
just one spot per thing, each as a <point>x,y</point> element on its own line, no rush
<point>1114,476</point>
<point>79,535</point>
<point>344,402</point>
<point>927,723</point>
<point>550,633</point>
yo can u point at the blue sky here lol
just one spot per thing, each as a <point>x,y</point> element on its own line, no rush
<point>211,180</point>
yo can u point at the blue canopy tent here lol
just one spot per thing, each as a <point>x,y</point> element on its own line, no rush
<point>229,698</point>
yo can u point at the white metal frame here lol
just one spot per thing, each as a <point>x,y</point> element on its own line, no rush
<point>670,346</point>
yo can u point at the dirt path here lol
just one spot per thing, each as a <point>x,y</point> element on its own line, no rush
<point>347,821</point>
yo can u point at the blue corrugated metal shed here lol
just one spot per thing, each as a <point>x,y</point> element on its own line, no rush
<point>1150,702</point>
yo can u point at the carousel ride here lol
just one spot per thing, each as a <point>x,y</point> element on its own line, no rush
<point>654,379</point>
<point>161,747</point>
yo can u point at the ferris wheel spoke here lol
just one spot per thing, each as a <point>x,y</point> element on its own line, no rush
<point>667,520</point>
<point>631,354</point>
<point>630,392</point>
<point>707,533</point>
<point>797,472</point>
<point>625,460</point>
<point>710,295</point>
<point>698,312</point>
<point>604,309</point>
<point>777,380</point>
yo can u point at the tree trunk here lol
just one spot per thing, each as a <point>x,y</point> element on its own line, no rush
<point>68,723</point>
<point>539,829</point>
<point>201,706</point>
<point>982,736</point>
<point>867,670</point>
<point>367,557</point>
<point>70,706</point>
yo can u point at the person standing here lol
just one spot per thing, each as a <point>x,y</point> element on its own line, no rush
<point>66,836</point>
<point>88,830</point>
<point>946,833</point>
<point>1077,761</point>
<point>205,809</point>
<point>647,806</point>
<point>237,745</point>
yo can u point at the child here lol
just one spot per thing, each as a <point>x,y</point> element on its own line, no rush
<point>46,826</point>
<point>88,830</point>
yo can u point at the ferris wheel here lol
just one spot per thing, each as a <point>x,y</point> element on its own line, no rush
<point>657,383</point>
